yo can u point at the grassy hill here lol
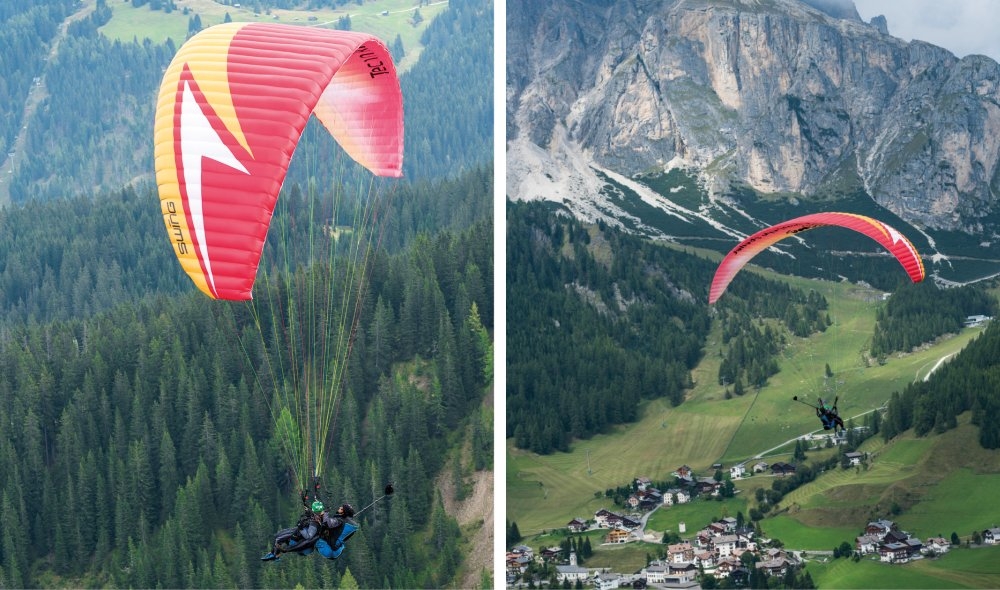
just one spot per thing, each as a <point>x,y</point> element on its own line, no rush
<point>931,486</point>
<point>937,485</point>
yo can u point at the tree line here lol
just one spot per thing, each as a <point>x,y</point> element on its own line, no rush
<point>599,321</point>
<point>966,383</point>
<point>918,313</point>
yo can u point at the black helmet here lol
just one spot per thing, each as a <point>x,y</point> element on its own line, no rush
<point>347,509</point>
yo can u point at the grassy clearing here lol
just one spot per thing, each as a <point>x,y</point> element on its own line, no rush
<point>547,491</point>
<point>629,557</point>
<point>128,22</point>
<point>774,418</point>
<point>695,515</point>
<point>798,535</point>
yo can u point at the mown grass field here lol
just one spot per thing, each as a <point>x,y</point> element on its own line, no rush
<point>959,568</point>
<point>130,23</point>
<point>694,514</point>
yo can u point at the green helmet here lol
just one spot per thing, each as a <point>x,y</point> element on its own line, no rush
<point>317,506</point>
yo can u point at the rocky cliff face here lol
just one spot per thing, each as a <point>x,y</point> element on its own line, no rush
<point>780,95</point>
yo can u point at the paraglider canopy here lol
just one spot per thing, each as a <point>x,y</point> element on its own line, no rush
<point>888,237</point>
<point>231,108</point>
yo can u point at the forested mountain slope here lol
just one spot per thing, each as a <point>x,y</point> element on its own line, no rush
<point>147,426</point>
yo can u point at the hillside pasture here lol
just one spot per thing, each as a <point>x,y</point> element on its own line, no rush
<point>931,486</point>
<point>547,491</point>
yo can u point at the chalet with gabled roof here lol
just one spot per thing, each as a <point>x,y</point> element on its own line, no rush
<point>707,485</point>
<point>991,536</point>
<point>703,538</point>
<point>880,528</point>
<point>682,572</point>
<point>517,563</point>
<point>645,499</point>
<point>607,581</point>
<point>617,536</point>
<point>523,550</point>
<point>726,566</point>
<point>577,525</point>
<point>894,552</point>
<point>655,573</point>
<point>866,544</point>
<point>725,545</point>
<point>938,544</point>
<point>775,567</point>
<point>705,559</point>
<point>854,458</point>
<point>680,553</point>
<point>676,495</point>
<point>782,468</point>
<point>612,520</point>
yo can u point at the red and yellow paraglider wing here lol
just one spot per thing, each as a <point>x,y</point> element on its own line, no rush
<point>231,109</point>
<point>889,238</point>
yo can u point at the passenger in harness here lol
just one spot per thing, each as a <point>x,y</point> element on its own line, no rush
<point>318,530</point>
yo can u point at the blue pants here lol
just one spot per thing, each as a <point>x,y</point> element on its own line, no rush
<point>322,547</point>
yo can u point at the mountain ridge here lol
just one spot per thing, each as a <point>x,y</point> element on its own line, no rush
<point>779,99</point>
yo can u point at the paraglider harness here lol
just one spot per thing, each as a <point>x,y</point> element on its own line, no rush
<point>292,540</point>
<point>329,542</point>
<point>827,414</point>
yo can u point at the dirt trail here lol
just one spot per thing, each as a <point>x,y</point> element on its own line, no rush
<point>37,93</point>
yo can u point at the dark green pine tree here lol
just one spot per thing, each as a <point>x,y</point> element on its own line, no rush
<point>168,477</point>
<point>12,549</point>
